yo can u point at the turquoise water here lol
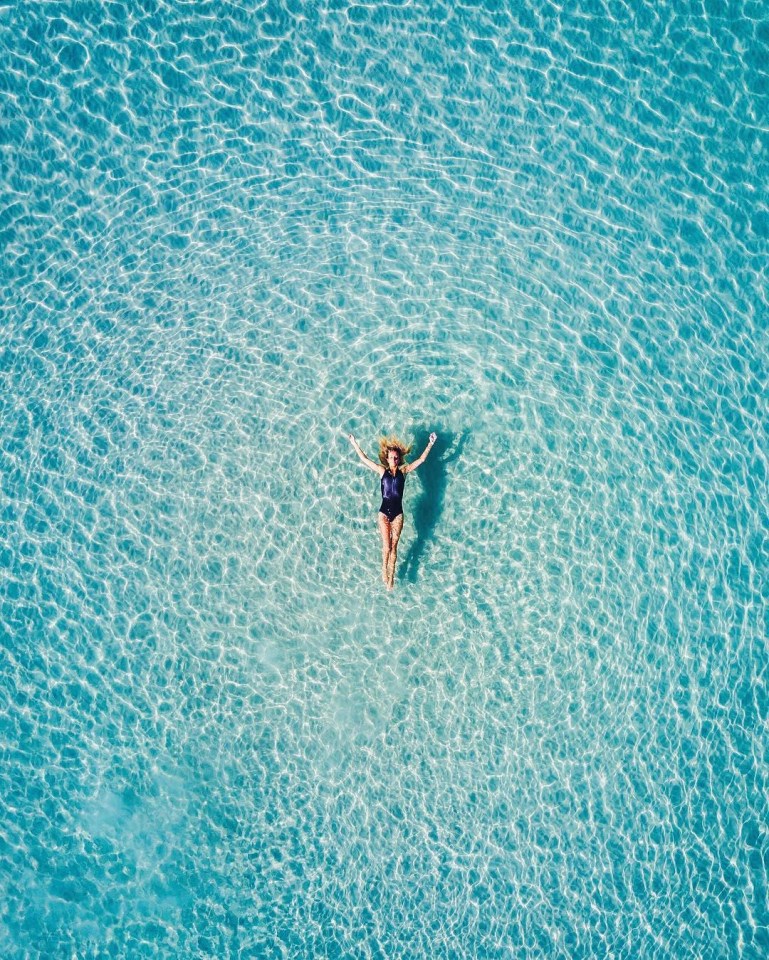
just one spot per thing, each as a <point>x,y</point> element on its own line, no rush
<point>231,235</point>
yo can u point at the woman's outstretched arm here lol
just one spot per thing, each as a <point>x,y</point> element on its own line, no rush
<point>376,467</point>
<point>407,468</point>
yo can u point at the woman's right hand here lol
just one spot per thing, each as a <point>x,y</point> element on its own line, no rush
<point>351,438</point>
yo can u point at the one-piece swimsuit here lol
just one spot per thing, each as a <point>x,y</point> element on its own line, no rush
<point>392,494</point>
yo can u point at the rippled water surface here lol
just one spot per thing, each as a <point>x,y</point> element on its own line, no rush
<point>232,234</point>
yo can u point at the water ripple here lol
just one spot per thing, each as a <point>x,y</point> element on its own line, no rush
<point>230,239</point>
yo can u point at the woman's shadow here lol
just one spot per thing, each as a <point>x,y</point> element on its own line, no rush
<point>428,505</point>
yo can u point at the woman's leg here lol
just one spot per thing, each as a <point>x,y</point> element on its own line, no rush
<point>395,534</point>
<point>384,529</point>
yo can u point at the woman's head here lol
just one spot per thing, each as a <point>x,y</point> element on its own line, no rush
<point>392,452</point>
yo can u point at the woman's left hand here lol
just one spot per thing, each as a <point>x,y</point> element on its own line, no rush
<point>433,437</point>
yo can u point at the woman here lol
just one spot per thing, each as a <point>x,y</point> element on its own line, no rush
<point>392,469</point>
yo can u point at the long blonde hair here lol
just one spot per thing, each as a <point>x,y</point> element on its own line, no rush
<point>392,443</point>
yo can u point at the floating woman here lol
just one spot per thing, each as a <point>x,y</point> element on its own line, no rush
<point>392,469</point>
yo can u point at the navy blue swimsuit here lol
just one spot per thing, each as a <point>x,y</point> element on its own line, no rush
<point>392,494</point>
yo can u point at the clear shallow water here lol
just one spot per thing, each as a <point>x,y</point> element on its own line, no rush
<point>231,235</point>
